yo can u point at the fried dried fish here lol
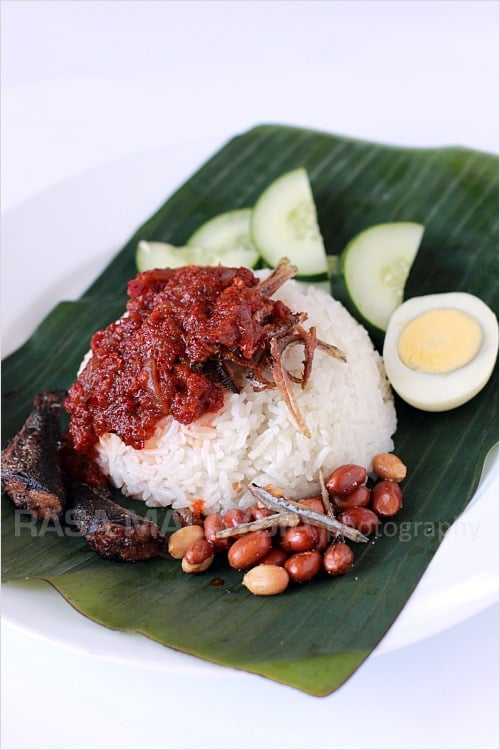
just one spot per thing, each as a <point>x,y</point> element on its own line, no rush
<point>31,471</point>
<point>274,499</point>
<point>112,531</point>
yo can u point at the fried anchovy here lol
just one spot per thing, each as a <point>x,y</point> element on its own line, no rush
<point>275,500</point>
<point>112,531</point>
<point>280,275</point>
<point>277,519</point>
<point>325,497</point>
<point>31,472</point>
<point>331,350</point>
<point>284,385</point>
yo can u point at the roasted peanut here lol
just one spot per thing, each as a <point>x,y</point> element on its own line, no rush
<point>198,557</point>
<point>257,513</point>
<point>362,519</point>
<point>390,467</point>
<point>198,551</point>
<point>266,580</point>
<point>235,517</point>
<point>180,540</point>
<point>316,504</point>
<point>249,549</point>
<point>275,556</point>
<point>338,559</point>
<point>194,568</point>
<point>387,498</point>
<point>345,479</point>
<point>360,497</point>
<point>323,539</point>
<point>301,538</point>
<point>303,566</point>
<point>212,524</point>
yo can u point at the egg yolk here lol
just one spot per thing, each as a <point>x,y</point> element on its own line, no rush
<point>440,341</point>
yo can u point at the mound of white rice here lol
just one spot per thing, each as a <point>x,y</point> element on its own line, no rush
<point>348,409</point>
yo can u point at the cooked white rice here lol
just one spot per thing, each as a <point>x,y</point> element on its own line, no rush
<point>348,409</point>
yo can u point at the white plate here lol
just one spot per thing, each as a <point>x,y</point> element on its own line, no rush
<point>55,255</point>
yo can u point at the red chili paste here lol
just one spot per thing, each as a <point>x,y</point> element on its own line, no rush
<point>161,358</point>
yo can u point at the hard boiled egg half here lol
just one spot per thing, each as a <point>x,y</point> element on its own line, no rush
<point>440,349</point>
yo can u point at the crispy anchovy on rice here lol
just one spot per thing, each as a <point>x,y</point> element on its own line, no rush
<point>337,409</point>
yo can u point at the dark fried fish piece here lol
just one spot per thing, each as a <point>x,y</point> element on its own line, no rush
<point>31,471</point>
<point>112,531</point>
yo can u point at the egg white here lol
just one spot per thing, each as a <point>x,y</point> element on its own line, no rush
<point>441,392</point>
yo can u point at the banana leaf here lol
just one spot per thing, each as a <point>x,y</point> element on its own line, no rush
<point>312,637</point>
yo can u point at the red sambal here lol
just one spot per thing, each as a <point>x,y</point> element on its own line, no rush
<point>186,332</point>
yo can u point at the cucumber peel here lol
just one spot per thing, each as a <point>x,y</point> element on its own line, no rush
<point>373,269</point>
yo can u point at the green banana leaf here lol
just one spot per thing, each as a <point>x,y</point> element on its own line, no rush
<point>315,636</point>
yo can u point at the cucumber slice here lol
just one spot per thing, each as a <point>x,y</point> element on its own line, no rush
<point>228,236</point>
<point>151,255</point>
<point>164,255</point>
<point>373,269</point>
<point>285,224</point>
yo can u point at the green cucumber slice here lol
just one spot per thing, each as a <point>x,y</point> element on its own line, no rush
<point>373,269</point>
<point>285,224</point>
<point>151,255</point>
<point>228,235</point>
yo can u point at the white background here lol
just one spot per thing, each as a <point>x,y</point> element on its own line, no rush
<point>87,84</point>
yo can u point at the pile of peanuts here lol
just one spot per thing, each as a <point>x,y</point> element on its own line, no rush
<point>275,556</point>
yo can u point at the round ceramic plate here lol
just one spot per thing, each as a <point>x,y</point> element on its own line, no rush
<point>44,262</point>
